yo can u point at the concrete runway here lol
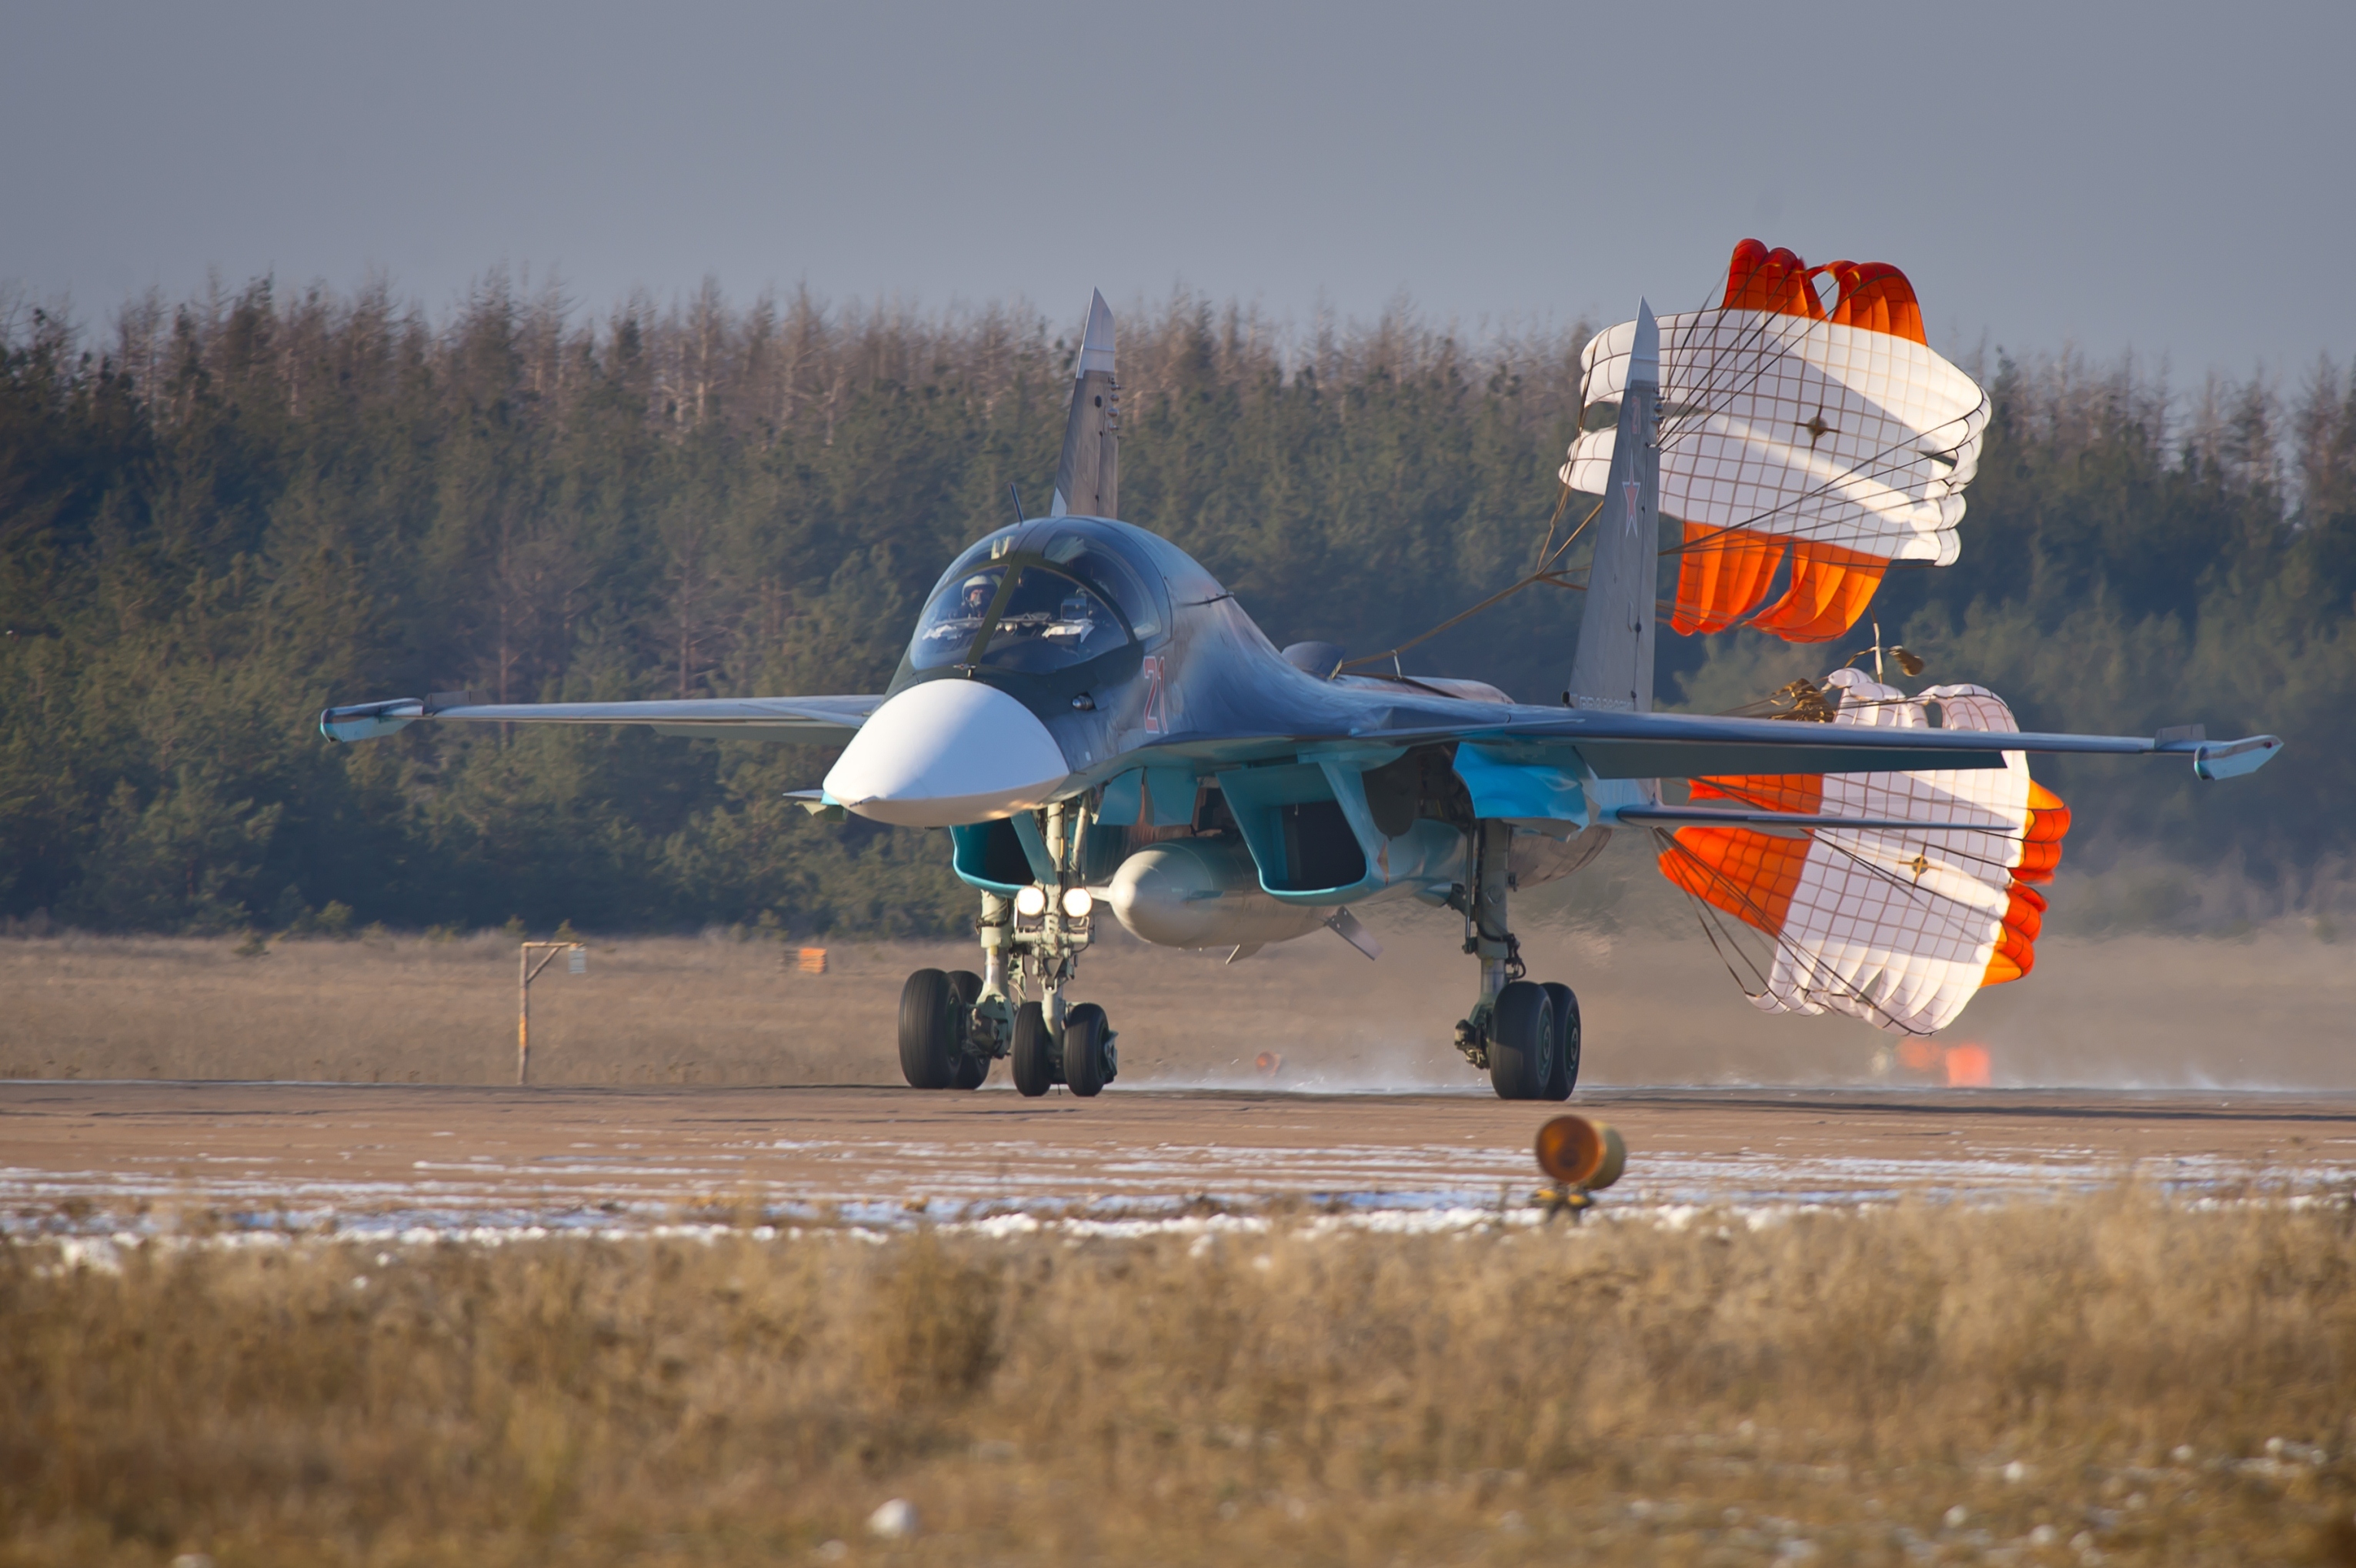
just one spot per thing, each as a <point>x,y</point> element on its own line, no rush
<point>396,1157</point>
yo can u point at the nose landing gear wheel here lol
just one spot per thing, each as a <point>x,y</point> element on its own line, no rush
<point>1522,1042</point>
<point>929,1046</point>
<point>1033,1057</point>
<point>1085,1067</point>
<point>973,1066</point>
<point>1565,1077</point>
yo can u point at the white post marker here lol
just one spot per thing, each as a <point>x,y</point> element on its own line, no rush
<point>526,973</point>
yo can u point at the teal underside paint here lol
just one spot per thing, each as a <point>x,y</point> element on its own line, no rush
<point>1123,794</point>
<point>1000,857</point>
<point>1256,799</point>
<point>1428,851</point>
<point>1148,798</point>
<point>1502,788</point>
<point>970,858</point>
<point>1169,796</point>
<point>1034,846</point>
<point>1606,797</point>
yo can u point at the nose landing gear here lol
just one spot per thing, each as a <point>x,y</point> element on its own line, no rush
<point>954,1025</point>
<point>1037,1063</point>
<point>934,1010</point>
<point>1087,1049</point>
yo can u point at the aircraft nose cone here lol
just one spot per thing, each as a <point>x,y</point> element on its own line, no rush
<point>946,752</point>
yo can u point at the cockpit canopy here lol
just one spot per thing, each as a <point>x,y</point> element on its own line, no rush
<point>1045,596</point>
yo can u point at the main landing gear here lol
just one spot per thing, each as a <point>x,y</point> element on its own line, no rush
<point>1524,1035</point>
<point>954,1024</point>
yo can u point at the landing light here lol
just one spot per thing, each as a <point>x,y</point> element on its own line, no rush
<point>1077,903</point>
<point>1031,903</point>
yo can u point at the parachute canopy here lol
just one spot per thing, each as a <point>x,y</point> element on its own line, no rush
<point>1832,436</point>
<point>1900,929</point>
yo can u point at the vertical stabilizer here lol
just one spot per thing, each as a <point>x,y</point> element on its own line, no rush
<point>1614,666</point>
<point>1088,480</point>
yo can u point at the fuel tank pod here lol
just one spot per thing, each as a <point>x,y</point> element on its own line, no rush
<point>1202,892</point>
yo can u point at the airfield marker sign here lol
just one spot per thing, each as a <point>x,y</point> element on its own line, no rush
<point>526,973</point>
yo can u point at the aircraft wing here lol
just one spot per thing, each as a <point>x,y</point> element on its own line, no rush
<point>802,719</point>
<point>1675,746</point>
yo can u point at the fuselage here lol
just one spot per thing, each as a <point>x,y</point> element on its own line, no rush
<point>1172,658</point>
<point>1079,656</point>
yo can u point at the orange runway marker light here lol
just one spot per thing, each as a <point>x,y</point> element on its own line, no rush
<point>811,961</point>
<point>1581,1157</point>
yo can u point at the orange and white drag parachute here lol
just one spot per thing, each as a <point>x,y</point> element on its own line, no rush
<point>1834,435</point>
<point>1895,927</point>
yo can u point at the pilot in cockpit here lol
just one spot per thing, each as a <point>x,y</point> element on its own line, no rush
<point>1076,617</point>
<point>973,602</point>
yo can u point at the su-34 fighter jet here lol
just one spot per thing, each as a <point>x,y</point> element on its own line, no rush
<point>1096,721</point>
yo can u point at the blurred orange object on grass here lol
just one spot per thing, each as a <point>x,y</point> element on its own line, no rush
<point>1968,1066</point>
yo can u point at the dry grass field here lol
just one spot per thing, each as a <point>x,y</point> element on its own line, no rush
<point>2273,1009</point>
<point>2105,1379</point>
<point>2115,1376</point>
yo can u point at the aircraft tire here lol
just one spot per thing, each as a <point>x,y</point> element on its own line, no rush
<point>1084,1050</point>
<point>1032,1058</point>
<point>1521,1041</point>
<point>928,1042</point>
<point>1564,1076</point>
<point>972,1065</point>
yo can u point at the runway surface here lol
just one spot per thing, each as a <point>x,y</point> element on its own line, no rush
<point>480,1160</point>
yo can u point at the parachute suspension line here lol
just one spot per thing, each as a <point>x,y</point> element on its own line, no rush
<point>1754,333</point>
<point>1817,974</point>
<point>1697,405</point>
<point>1790,533</point>
<point>1562,501</point>
<point>1949,850</point>
<point>1866,469</point>
<point>1759,802</point>
<point>1751,342</point>
<point>1883,873</point>
<point>1692,415</point>
<point>1548,553</point>
<point>1709,921</point>
<point>1544,572</point>
<point>1734,366</point>
<point>1870,467</point>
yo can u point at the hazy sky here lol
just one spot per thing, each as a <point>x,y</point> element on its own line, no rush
<point>2174,178</point>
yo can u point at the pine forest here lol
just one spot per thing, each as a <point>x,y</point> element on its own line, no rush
<point>218,516</point>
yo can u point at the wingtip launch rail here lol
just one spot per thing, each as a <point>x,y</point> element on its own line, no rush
<point>710,717</point>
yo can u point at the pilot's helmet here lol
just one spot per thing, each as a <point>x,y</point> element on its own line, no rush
<point>973,599</point>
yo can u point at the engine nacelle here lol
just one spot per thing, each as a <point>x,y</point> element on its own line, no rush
<point>1202,892</point>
